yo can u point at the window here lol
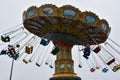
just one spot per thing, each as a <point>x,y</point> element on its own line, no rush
<point>52,20</point>
<point>69,66</point>
<point>56,67</point>
<point>104,26</point>
<point>61,65</point>
<point>69,13</point>
<point>47,11</point>
<point>90,19</point>
<point>31,12</point>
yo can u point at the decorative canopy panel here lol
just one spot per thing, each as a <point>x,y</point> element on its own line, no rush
<point>66,23</point>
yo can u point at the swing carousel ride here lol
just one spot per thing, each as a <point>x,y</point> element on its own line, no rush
<point>53,31</point>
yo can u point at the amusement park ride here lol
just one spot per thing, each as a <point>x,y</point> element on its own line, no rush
<point>63,27</point>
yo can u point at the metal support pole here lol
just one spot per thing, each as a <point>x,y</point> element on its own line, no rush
<point>11,70</point>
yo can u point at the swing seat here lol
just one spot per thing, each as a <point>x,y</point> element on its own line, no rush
<point>79,66</point>
<point>11,56</point>
<point>44,42</point>
<point>111,61</point>
<point>3,52</point>
<point>28,49</point>
<point>46,63</point>
<point>116,68</point>
<point>5,38</point>
<point>25,61</point>
<point>15,56</point>
<point>97,67</point>
<point>86,57</point>
<point>87,49</point>
<point>11,49</point>
<point>97,49</point>
<point>50,66</point>
<point>92,69</point>
<point>86,53</point>
<point>104,70</point>
<point>17,45</point>
<point>55,50</point>
<point>30,60</point>
<point>38,64</point>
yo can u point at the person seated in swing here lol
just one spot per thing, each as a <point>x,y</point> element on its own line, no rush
<point>86,51</point>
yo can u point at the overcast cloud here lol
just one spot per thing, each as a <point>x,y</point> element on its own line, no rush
<point>11,14</point>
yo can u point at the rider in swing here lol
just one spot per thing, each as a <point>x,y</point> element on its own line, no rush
<point>86,51</point>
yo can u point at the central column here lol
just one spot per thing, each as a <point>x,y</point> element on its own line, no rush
<point>64,65</point>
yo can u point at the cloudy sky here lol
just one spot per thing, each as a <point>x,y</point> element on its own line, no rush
<point>11,15</point>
